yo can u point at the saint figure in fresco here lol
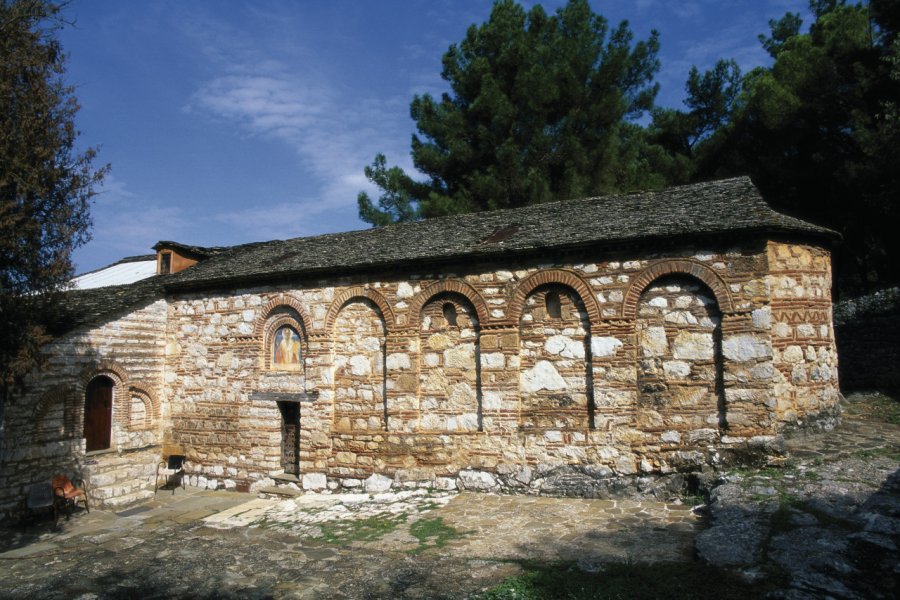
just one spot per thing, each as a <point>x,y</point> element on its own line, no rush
<point>287,347</point>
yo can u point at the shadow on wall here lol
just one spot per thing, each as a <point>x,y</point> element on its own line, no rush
<point>867,333</point>
<point>61,416</point>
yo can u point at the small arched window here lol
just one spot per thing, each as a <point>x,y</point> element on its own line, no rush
<point>449,310</point>
<point>554,305</point>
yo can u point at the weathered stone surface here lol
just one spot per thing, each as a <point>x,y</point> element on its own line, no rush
<point>653,341</point>
<point>693,346</point>
<point>543,376</point>
<point>605,346</point>
<point>477,480</point>
<point>314,481</point>
<point>743,348</point>
<point>564,346</point>
<point>376,483</point>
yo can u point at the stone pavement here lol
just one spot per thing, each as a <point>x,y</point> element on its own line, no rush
<point>827,523</point>
<point>414,544</point>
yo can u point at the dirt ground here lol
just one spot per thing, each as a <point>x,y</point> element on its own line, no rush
<point>826,522</point>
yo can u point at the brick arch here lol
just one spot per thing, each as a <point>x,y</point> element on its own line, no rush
<point>151,404</point>
<point>119,376</point>
<point>676,267</point>
<point>453,286</point>
<point>554,277</point>
<point>278,301</point>
<point>61,395</point>
<point>106,368</point>
<point>387,315</point>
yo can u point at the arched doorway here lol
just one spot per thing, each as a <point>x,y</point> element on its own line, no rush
<point>98,402</point>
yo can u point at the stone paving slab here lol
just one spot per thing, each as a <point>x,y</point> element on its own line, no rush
<point>224,544</point>
<point>841,498</point>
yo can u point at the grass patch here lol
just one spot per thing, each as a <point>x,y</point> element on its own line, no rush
<point>625,581</point>
<point>430,505</point>
<point>884,451</point>
<point>360,530</point>
<point>811,475</point>
<point>878,407</point>
<point>433,533</point>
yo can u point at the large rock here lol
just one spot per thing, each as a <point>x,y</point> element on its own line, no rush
<point>735,538</point>
<point>477,480</point>
<point>377,483</point>
<point>742,348</point>
<point>543,376</point>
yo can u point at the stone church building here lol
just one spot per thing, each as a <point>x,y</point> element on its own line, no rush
<point>548,349</point>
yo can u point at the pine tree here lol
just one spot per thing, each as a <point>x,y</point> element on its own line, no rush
<point>540,108</point>
<point>45,183</point>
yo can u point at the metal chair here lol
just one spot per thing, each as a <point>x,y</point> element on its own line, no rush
<point>169,469</point>
<point>69,494</point>
<point>41,499</point>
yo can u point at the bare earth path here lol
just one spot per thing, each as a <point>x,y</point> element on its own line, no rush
<point>816,526</point>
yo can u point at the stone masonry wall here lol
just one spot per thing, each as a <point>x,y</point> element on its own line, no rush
<point>803,346</point>
<point>680,365</point>
<point>868,341</point>
<point>45,425</point>
<point>652,365</point>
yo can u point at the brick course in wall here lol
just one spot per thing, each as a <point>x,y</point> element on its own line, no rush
<point>506,387</point>
<point>491,367</point>
<point>45,426</point>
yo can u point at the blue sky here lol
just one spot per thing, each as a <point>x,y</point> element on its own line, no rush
<point>228,122</point>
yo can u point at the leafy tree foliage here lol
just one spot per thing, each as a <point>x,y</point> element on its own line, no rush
<point>541,107</point>
<point>817,131</point>
<point>45,182</point>
<point>813,132</point>
<point>685,135</point>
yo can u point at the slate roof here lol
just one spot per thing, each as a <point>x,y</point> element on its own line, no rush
<point>85,307</point>
<point>724,207</point>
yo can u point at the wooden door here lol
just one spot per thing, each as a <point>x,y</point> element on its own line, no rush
<point>290,437</point>
<point>98,413</point>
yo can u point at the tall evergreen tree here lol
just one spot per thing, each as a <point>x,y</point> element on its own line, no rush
<point>817,131</point>
<point>540,108</point>
<point>45,183</point>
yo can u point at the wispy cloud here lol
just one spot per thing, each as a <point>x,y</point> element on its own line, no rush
<point>112,191</point>
<point>333,131</point>
<point>278,221</point>
<point>129,229</point>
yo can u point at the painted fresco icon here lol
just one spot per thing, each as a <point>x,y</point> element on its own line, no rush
<point>287,347</point>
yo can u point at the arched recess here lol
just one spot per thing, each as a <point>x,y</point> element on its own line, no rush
<point>360,385</point>
<point>282,303</point>
<point>549,277</point>
<point>285,339</point>
<point>344,297</point>
<point>448,286</point>
<point>678,327</point>
<point>105,367</point>
<point>556,374</point>
<point>450,396</point>
<point>662,268</point>
<point>53,417</point>
<point>144,410</point>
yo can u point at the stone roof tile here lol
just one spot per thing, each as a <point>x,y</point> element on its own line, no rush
<point>721,207</point>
